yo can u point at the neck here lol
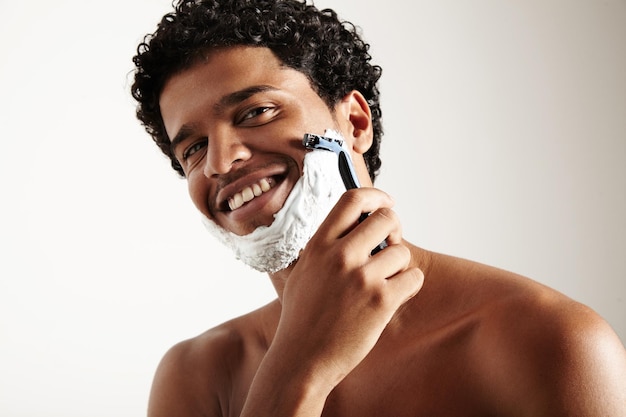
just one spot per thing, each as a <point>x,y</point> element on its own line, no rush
<point>279,279</point>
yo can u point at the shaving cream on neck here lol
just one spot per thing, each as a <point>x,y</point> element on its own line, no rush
<point>274,247</point>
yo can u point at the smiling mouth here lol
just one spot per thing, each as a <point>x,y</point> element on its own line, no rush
<point>251,192</point>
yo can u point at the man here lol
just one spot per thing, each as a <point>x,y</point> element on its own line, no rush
<point>228,89</point>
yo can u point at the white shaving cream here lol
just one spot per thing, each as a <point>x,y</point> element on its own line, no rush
<point>274,247</point>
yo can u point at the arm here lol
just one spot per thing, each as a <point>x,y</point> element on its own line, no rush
<point>555,358</point>
<point>588,371</point>
<point>336,302</point>
<point>180,386</point>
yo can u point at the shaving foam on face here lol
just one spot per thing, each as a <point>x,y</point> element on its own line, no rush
<point>274,247</point>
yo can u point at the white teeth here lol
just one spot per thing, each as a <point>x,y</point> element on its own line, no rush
<point>238,200</point>
<point>265,185</point>
<point>248,194</point>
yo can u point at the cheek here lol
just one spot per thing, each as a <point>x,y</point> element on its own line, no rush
<point>198,192</point>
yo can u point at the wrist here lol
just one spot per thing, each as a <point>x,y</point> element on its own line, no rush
<point>287,385</point>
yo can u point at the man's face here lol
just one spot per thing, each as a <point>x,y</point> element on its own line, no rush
<point>236,121</point>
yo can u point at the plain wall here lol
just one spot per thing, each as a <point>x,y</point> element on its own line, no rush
<point>505,143</point>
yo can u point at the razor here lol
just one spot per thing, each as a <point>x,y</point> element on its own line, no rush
<point>346,168</point>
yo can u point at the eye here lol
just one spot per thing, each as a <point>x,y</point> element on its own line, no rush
<point>193,149</point>
<point>258,114</point>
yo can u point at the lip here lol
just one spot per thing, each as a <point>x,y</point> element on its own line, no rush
<point>261,209</point>
<point>274,174</point>
<point>257,206</point>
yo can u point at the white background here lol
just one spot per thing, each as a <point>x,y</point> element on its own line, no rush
<point>505,143</point>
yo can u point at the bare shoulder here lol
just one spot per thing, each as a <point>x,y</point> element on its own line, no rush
<point>196,376</point>
<point>555,356</point>
<point>538,352</point>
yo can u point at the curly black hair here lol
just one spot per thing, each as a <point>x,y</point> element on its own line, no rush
<point>330,52</point>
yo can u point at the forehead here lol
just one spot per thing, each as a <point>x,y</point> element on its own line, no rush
<point>221,73</point>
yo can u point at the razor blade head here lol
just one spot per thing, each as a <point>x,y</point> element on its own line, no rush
<point>312,141</point>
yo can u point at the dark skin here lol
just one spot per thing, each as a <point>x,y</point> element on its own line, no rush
<point>406,332</point>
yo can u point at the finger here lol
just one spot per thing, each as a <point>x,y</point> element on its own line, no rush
<point>394,260</point>
<point>349,208</point>
<point>381,225</point>
<point>405,285</point>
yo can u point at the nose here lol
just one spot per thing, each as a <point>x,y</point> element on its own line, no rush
<point>225,150</point>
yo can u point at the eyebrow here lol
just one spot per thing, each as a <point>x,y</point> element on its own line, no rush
<point>184,132</point>
<point>241,95</point>
<point>228,100</point>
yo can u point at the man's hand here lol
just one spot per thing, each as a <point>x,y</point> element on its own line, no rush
<point>338,299</point>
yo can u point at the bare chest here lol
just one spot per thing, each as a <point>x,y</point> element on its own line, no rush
<point>409,385</point>
<point>406,381</point>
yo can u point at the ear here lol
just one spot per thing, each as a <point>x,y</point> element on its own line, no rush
<point>355,119</point>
